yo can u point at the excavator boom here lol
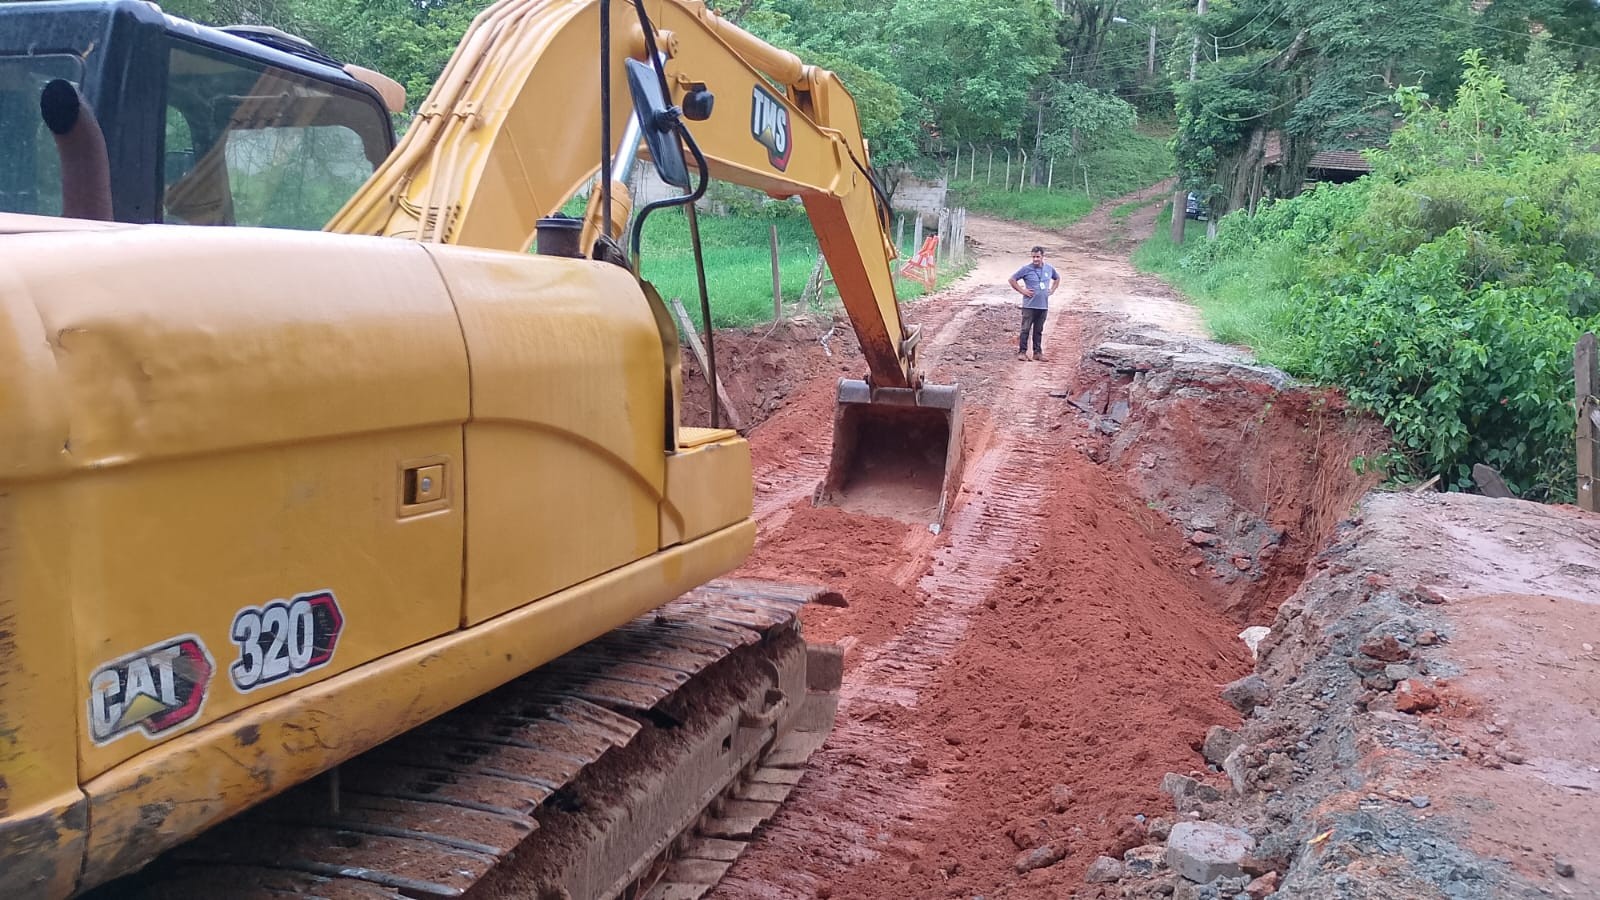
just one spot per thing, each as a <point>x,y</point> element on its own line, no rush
<point>461,175</point>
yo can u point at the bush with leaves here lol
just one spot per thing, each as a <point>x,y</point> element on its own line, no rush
<point>1445,292</point>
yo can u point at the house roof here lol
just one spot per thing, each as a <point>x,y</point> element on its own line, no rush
<point>1345,160</point>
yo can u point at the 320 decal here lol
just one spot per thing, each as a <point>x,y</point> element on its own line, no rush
<point>284,639</point>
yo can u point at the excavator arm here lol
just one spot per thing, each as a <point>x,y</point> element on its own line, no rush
<point>493,151</point>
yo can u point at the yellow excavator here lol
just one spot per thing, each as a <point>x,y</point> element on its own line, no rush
<point>378,563</point>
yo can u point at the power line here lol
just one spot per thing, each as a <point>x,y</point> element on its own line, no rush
<point>1486,26</point>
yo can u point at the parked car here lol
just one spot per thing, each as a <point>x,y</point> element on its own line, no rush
<point>1194,209</point>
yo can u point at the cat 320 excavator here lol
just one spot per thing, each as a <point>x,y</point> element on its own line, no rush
<point>374,560</point>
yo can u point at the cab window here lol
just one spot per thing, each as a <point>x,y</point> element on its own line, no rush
<point>248,144</point>
<point>30,170</point>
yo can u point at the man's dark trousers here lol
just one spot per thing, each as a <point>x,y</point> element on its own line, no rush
<point>1032,319</point>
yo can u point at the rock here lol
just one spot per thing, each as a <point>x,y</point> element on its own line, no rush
<point>1490,483</point>
<point>1377,682</point>
<point>1429,595</point>
<point>1428,638</point>
<point>1205,851</point>
<point>1421,801</point>
<point>1385,647</point>
<point>1412,696</point>
<point>1203,539</point>
<point>1565,869</point>
<point>1262,886</point>
<point>1219,743</point>
<point>1242,563</point>
<point>1186,792</point>
<point>1175,785</point>
<point>1397,673</point>
<point>1237,768</point>
<point>1253,636</point>
<point>1247,693</point>
<point>1159,827</point>
<point>1103,870</point>
<point>1146,860</point>
<point>1040,857</point>
<point>1060,798</point>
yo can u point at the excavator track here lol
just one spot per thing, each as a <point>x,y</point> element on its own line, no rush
<point>635,766</point>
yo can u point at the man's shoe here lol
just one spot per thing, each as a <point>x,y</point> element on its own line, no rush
<point>1022,356</point>
<point>1038,357</point>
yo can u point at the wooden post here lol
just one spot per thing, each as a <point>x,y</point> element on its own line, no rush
<point>1022,172</point>
<point>1179,199</point>
<point>687,324</point>
<point>944,234</point>
<point>916,235</point>
<point>1007,181</point>
<point>777,283</point>
<point>989,175</point>
<point>972,162</point>
<point>900,233</point>
<point>1586,369</point>
<point>957,174</point>
<point>1050,181</point>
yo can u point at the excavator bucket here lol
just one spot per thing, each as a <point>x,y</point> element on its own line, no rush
<point>896,451</point>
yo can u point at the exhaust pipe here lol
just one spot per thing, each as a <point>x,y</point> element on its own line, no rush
<point>85,166</point>
<point>896,451</point>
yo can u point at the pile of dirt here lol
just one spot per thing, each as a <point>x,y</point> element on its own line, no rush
<point>761,367</point>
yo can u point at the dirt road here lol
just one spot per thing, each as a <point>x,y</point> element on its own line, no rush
<point>1023,679</point>
<point>1017,686</point>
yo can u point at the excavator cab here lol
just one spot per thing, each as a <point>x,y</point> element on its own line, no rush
<point>249,126</point>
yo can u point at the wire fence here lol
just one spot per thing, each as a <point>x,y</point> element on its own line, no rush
<point>1012,167</point>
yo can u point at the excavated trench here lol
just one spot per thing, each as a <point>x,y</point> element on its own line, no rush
<point>1017,684</point>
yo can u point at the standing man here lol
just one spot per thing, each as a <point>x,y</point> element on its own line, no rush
<point>1035,281</point>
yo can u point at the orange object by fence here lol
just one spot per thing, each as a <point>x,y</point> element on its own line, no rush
<point>923,266</point>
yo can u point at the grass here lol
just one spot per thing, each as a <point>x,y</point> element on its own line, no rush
<point>738,261</point>
<point>1056,208</point>
<point>1243,301</point>
<point>1126,209</point>
<point>1128,163</point>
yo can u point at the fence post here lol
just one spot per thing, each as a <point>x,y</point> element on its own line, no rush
<point>944,234</point>
<point>989,175</point>
<point>1586,369</point>
<point>972,162</point>
<point>916,238</point>
<point>957,175</point>
<point>900,233</point>
<point>1050,181</point>
<point>1007,181</point>
<point>777,283</point>
<point>1022,172</point>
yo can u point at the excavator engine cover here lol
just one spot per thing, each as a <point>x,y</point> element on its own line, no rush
<point>896,451</point>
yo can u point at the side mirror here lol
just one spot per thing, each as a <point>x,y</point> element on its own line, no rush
<point>657,119</point>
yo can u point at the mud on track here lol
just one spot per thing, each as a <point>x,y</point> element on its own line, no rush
<point>1025,678</point>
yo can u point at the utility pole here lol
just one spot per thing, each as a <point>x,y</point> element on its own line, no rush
<point>1180,197</point>
<point>1194,52</point>
<point>1150,67</point>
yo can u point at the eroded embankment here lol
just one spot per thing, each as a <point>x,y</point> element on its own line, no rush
<point>1017,685</point>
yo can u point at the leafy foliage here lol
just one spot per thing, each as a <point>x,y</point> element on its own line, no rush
<point>1446,291</point>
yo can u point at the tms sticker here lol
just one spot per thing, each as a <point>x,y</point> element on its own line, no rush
<point>154,690</point>
<point>769,124</point>
<point>284,639</point>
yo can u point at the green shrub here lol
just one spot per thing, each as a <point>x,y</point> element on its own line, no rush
<point>1444,293</point>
